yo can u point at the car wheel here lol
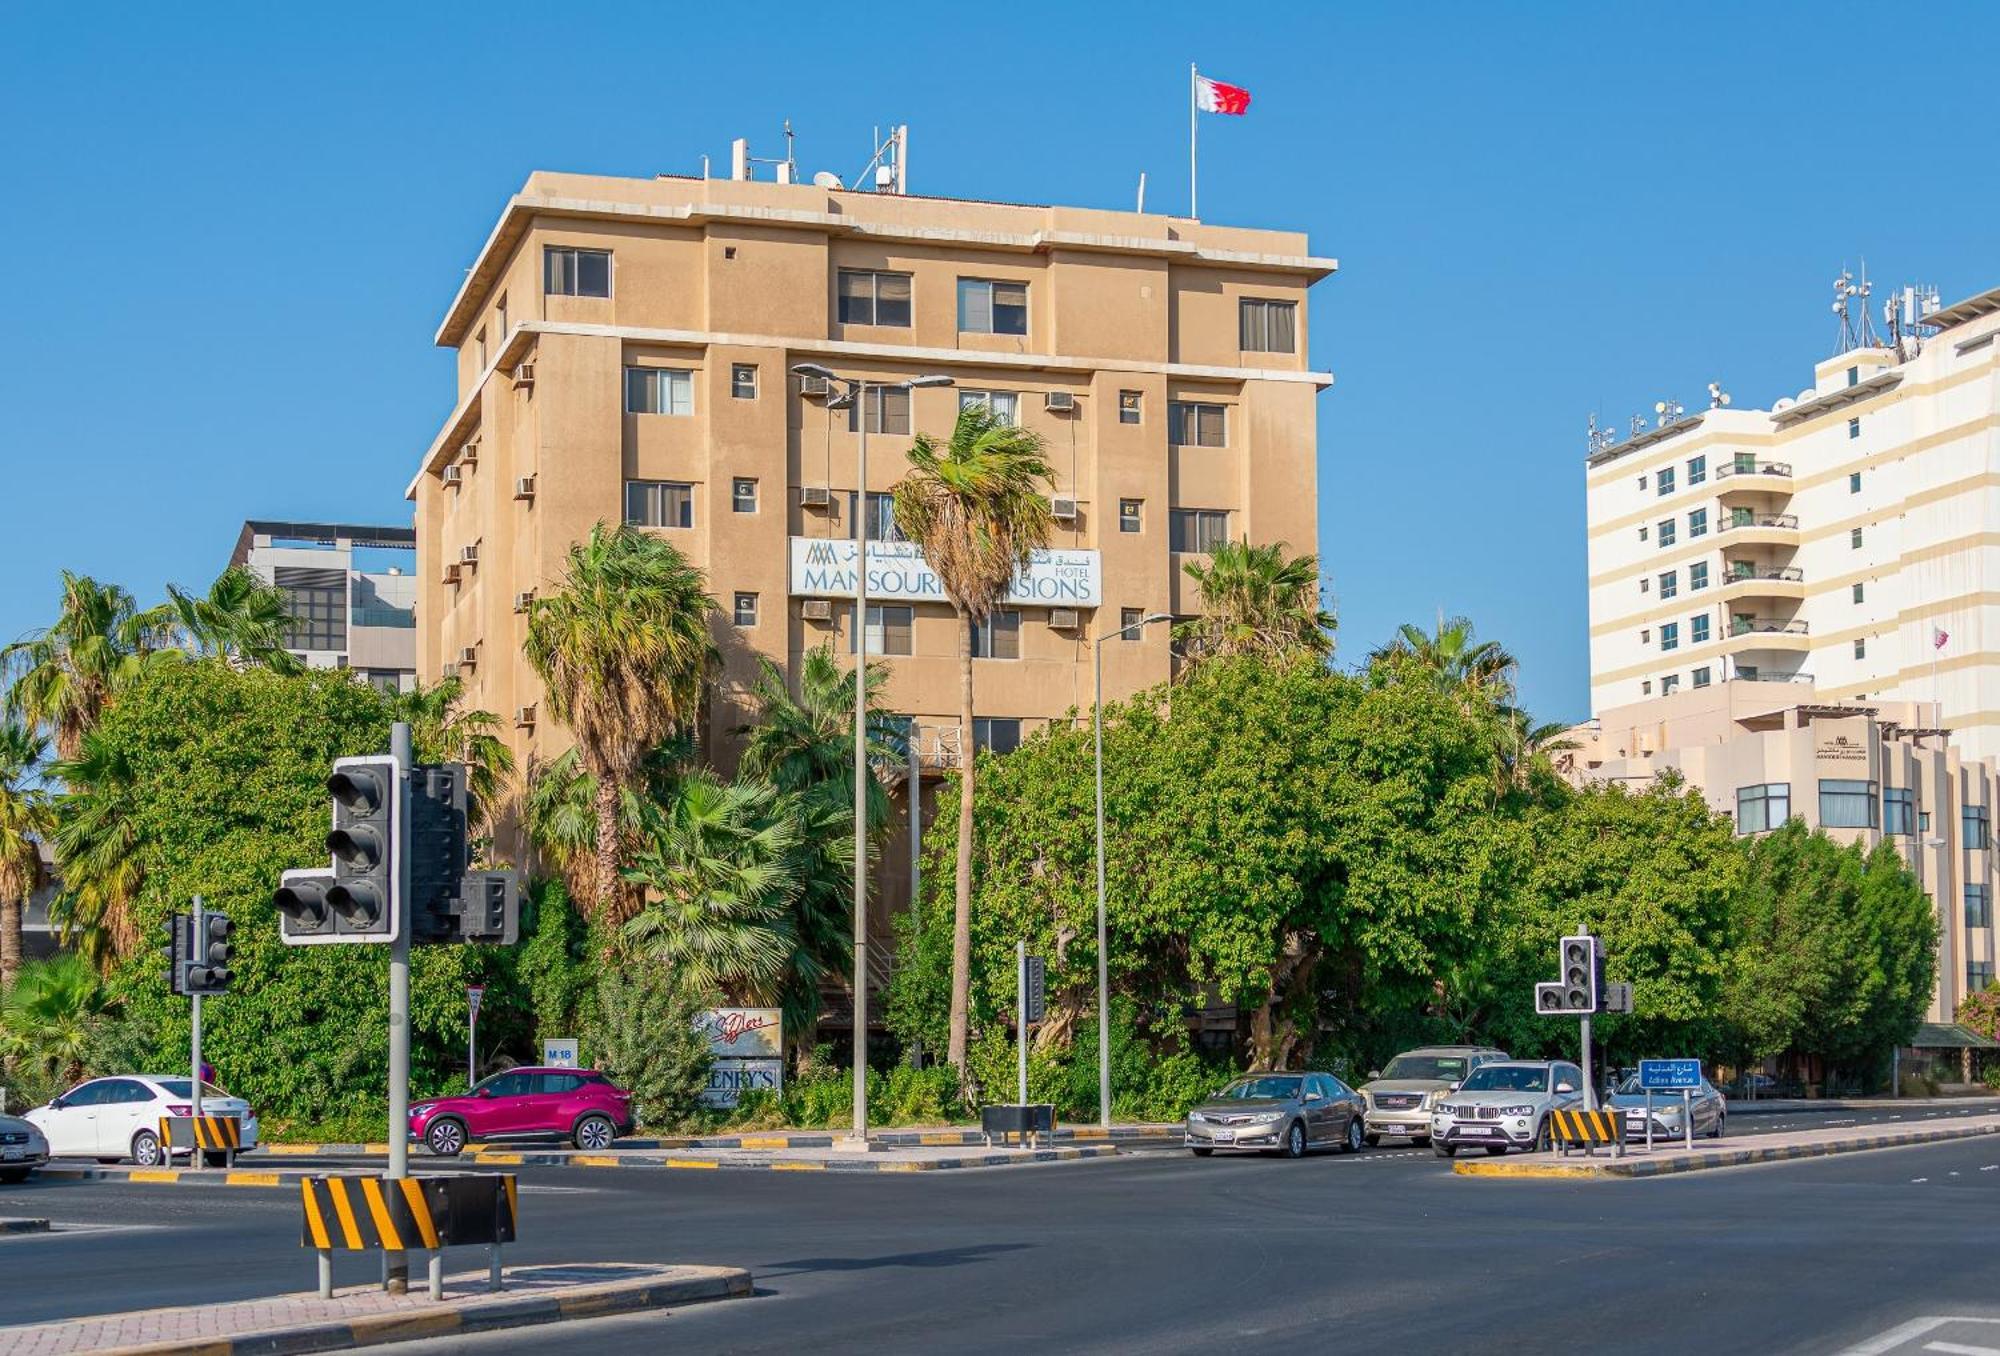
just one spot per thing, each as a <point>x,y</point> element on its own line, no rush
<point>1541,1145</point>
<point>146,1150</point>
<point>15,1174</point>
<point>1355,1139</point>
<point>1200,1151</point>
<point>1716,1133</point>
<point>594,1132</point>
<point>1295,1141</point>
<point>1444,1150</point>
<point>445,1138</point>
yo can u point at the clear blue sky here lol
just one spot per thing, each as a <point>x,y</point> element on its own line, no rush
<point>233,231</point>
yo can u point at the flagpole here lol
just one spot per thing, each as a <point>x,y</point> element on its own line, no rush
<point>1194,115</point>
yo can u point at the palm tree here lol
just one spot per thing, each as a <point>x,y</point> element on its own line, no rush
<point>63,677</point>
<point>623,648</point>
<point>719,869</point>
<point>1256,601</point>
<point>240,618</point>
<point>443,731</point>
<point>26,821</point>
<point>799,742</point>
<point>1525,745</point>
<point>1479,671</point>
<point>561,808</point>
<point>97,850</point>
<point>976,505</point>
<point>51,1014</point>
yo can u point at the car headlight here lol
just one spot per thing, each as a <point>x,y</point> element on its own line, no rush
<point>1267,1117</point>
<point>1517,1111</point>
<point>1196,1118</point>
<point>423,1108</point>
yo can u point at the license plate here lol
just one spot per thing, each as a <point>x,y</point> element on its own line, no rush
<point>1397,1129</point>
<point>13,1155</point>
<point>1225,1137</point>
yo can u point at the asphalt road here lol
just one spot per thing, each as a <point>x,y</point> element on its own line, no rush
<point>1152,1253</point>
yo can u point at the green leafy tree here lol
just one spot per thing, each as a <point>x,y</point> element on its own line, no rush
<point>977,504</point>
<point>1256,600</point>
<point>622,646</point>
<point>27,818</point>
<point>643,1035</point>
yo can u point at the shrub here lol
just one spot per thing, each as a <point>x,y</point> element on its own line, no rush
<point>643,1032</point>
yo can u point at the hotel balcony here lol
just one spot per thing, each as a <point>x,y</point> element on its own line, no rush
<point>1745,527</point>
<point>1784,634</point>
<point>1748,470</point>
<point>1742,580</point>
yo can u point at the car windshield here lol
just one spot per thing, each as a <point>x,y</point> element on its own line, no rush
<point>1505,1078</point>
<point>1261,1087</point>
<point>178,1087</point>
<point>1442,1068</point>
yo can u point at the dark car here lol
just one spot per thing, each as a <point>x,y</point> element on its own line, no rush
<point>580,1105</point>
<point>1291,1113</point>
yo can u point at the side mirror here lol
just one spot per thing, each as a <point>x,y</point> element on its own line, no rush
<point>1565,1087</point>
<point>57,1104</point>
<point>1374,1073</point>
<point>1314,1097</point>
<point>485,1092</point>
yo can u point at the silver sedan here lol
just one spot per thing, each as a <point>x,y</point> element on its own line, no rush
<point>1711,1110</point>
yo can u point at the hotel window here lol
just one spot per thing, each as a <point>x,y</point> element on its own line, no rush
<point>1698,523</point>
<point>1645,635</point>
<point>1642,481</point>
<point>1642,532</point>
<point>1923,821</point>
<point>1129,511</point>
<point>1268,326</point>
<point>1853,376</point>
<point>500,315</point>
<point>1195,425</point>
<point>1698,630</point>
<point>996,734</point>
<point>1845,804</point>
<point>1859,593</point>
<point>1665,481</point>
<point>881,516</point>
<point>1978,976</point>
<point>988,306</point>
<point>1697,470</point>
<point>1854,428</point>
<point>1197,530</point>
<point>743,494</point>
<point>1128,623</point>
<point>1854,482</point>
<point>746,609</point>
<point>1666,533</point>
<point>479,349</point>
<point>1860,648</point>
<point>743,381</point>
<point>658,390</point>
<point>1645,584</point>
<point>1701,676</point>
<point>1128,407</point>
<point>1761,808</point>
<point>1854,539</point>
<point>1005,405</point>
<point>315,607</point>
<point>1670,583</point>
<point>998,637</point>
<point>1974,828</point>
<point>868,298</point>
<point>1899,810</point>
<point>888,410</point>
<point>1670,684</point>
<point>889,628</point>
<point>1979,912</point>
<point>1698,576</point>
<point>659,503</point>
<point>569,272</point>
<point>1670,636</point>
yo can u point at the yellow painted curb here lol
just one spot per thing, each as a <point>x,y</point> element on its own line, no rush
<point>1570,1170</point>
<point>256,1179</point>
<point>798,1167</point>
<point>281,1150</point>
<point>1090,1132</point>
<point>496,1158</point>
<point>765,1142</point>
<point>903,1167</point>
<point>952,1140</point>
<point>596,1160</point>
<point>692,1163</point>
<point>153,1175</point>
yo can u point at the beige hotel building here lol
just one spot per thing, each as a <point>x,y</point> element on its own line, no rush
<point>625,349</point>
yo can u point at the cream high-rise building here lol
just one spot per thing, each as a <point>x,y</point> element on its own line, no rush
<point>625,349</point>
<point>1830,539</point>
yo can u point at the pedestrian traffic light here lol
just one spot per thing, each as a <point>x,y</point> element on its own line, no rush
<point>303,915</point>
<point>438,850</point>
<point>366,897</point>
<point>176,950</point>
<point>209,969</point>
<point>489,908</point>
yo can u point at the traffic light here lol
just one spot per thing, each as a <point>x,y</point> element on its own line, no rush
<point>303,914</point>
<point>208,969</point>
<point>1582,974</point>
<point>489,908</point>
<point>439,851</point>
<point>366,896</point>
<point>176,950</point>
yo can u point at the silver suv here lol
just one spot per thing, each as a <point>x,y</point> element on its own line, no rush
<point>1402,1096</point>
<point>1506,1105</point>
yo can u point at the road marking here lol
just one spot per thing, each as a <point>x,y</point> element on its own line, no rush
<point>1915,1180</point>
<point>1991,1167</point>
<point>538,1190</point>
<point>1908,1332</point>
<point>1960,1349</point>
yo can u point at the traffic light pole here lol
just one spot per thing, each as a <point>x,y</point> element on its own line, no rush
<point>396,1265</point>
<point>1589,1088</point>
<point>194,1044</point>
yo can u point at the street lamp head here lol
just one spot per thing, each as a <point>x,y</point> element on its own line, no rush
<point>812,370</point>
<point>1155,617</point>
<point>934,379</point>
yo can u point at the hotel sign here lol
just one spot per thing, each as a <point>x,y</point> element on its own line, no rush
<point>824,568</point>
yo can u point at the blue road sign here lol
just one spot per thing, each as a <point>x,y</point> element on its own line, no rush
<point>1669,1075</point>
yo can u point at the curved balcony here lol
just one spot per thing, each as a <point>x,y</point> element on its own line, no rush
<point>1747,527</point>
<point>1755,469</point>
<point>1762,581</point>
<point>1789,634</point>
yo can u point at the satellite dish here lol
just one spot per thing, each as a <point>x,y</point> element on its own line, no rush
<point>826,179</point>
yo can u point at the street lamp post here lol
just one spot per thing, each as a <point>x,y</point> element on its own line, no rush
<point>1103,966</point>
<point>857,392</point>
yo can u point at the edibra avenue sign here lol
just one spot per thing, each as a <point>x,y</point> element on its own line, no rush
<point>823,567</point>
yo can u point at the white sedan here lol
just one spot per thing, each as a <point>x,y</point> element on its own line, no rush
<point>114,1118</point>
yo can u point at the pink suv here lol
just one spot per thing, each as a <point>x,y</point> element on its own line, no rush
<point>580,1105</point>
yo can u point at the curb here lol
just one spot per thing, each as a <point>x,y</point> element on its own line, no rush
<point>784,1139</point>
<point>24,1226</point>
<point>1720,1158</point>
<point>483,1316</point>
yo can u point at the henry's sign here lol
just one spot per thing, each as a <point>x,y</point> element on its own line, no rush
<point>824,568</point>
<point>748,1045</point>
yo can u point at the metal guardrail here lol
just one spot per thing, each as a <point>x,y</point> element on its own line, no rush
<point>362,1213</point>
<point>1742,520</point>
<point>1765,626</point>
<point>1754,468</point>
<point>1790,574</point>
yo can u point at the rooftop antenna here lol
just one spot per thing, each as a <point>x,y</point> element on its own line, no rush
<point>1600,438</point>
<point>1668,411</point>
<point>740,159</point>
<point>1850,303</point>
<point>889,165</point>
<point>1638,424</point>
<point>1718,399</point>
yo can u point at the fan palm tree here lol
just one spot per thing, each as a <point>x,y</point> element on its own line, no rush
<point>623,648</point>
<point>97,850</point>
<point>1257,601</point>
<point>441,730</point>
<point>719,867</point>
<point>976,503</point>
<point>1479,671</point>
<point>240,618</point>
<point>50,1015</point>
<point>802,741</point>
<point>61,679</point>
<point>27,819</point>
<point>561,808</point>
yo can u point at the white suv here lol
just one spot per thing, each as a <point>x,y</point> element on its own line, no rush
<point>1506,1105</point>
<point>113,1118</point>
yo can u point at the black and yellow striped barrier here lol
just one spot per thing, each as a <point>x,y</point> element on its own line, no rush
<point>362,1213</point>
<point>1586,1127</point>
<point>212,1133</point>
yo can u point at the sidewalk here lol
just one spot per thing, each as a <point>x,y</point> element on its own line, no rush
<point>367,1316</point>
<point>1773,1106</point>
<point>1764,1149</point>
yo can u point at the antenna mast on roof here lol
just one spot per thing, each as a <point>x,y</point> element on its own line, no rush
<point>890,163</point>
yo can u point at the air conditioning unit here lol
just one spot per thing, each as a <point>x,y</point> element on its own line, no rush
<point>814,386</point>
<point>1059,402</point>
<point>816,609</point>
<point>450,670</point>
<point>524,600</point>
<point>524,717</point>
<point>524,487</point>
<point>452,475</point>
<point>468,656</point>
<point>1063,509</point>
<point>450,575</point>
<point>469,555</point>
<point>815,496</point>
<point>524,374</point>
<point>1063,619</point>
<point>469,454</point>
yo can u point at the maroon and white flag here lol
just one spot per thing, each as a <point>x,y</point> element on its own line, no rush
<point>1213,96</point>
<point>1938,637</point>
